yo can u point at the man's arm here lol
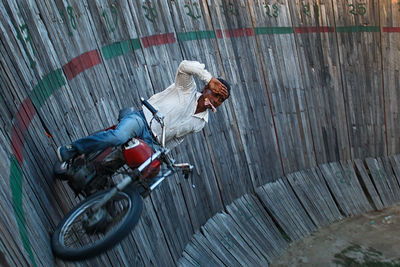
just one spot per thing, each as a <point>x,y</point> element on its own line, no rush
<point>184,77</point>
<point>185,72</point>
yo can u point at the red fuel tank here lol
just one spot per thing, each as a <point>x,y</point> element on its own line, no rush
<point>136,152</point>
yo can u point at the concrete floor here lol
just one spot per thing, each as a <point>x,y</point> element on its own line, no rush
<point>370,239</point>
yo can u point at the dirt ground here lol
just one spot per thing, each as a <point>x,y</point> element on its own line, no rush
<point>370,239</point>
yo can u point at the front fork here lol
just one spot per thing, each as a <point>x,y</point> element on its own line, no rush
<point>186,169</point>
<point>126,181</point>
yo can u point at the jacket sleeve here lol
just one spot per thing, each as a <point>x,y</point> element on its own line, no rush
<point>184,76</point>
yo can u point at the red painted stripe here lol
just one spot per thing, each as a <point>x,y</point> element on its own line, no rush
<point>231,33</point>
<point>313,29</point>
<point>391,29</point>
<point>158,39</point>
<point>81,63</point>
<point>23,119</point>
<point>219,34</point>
<point>17,145</point>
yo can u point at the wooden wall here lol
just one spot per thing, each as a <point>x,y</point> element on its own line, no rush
<point>256,229</point>
<point>313,81</point>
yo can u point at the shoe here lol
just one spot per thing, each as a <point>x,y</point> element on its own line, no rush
<point>65,153</point>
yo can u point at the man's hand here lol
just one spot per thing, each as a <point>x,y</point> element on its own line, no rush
<point>218,87</point>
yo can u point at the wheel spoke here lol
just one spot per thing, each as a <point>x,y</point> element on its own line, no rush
<point>76,236</point>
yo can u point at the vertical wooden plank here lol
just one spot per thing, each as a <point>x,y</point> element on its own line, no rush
<point>13,246</point>
<point>358,34</point>
<point>277,48</point>
<point>390,37</point>
<point>384,180</point>
<point>355,187</point>
<point>71,41</point>
<point>205,244</point>
<point>368,184</point>
<point>155,28</point>
<point>395,162</point>
<point>223,227</point>
<point>286,209</point>
<point>185,261</point>
<point>314,194</point>
<point>221,246</point>
<point>314,27</point>
<point>200,256</point>
<point>121,51</point>
<point>150,239</point>
<point>201,191</point>
<point>237,45</point>
<point>249,247</point>
<point>263,234</point>
<point>345,187</point>
<point>173,216</point>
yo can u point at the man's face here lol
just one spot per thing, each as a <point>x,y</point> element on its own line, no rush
<point>212,100</point>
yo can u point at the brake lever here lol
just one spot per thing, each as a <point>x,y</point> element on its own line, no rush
<point>186,168</point>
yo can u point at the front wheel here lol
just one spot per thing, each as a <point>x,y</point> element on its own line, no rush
<point>83,234</point>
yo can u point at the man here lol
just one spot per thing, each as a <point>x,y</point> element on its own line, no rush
<point>184,108</point>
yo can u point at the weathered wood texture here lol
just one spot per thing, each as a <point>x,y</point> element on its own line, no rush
<point>280,199</point>
<point>346,188</point>
<point>203,47</point>
<point>358,38</point>
<point>241,62</point>
<point>312,82</point>
<point>384,179</point>
<point>390,21</point>
<point>245,235</point>
<point>290,208</point>
<point>313,192</point>
<point>368,184</point>
<point>320,69</point>
<point>284,83</point>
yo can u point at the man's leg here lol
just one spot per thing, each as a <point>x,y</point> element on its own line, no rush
<point>131,125</point>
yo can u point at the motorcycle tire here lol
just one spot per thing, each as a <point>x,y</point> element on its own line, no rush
<point>110,239</point>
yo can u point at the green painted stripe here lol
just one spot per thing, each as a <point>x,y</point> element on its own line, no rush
<point>358,29</point>
<point>115,49</point>
<point>197,35</point>
<point>46,87</point>
<point>273,30</point>
<point>120,48</point>
<point>16,190</point>
<point>135,43</point>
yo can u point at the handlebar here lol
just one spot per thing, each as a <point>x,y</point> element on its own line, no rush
<point>148,105</point>
<point>158,116</point>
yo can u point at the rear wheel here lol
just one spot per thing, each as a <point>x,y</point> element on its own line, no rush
<point>83,233</point>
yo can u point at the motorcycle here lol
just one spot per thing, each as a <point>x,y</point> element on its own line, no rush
<point>113,184</point>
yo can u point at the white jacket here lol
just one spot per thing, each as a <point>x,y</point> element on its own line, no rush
<point>178,104</point>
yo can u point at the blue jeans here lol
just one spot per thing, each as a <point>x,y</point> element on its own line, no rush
<point>131,125</point>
